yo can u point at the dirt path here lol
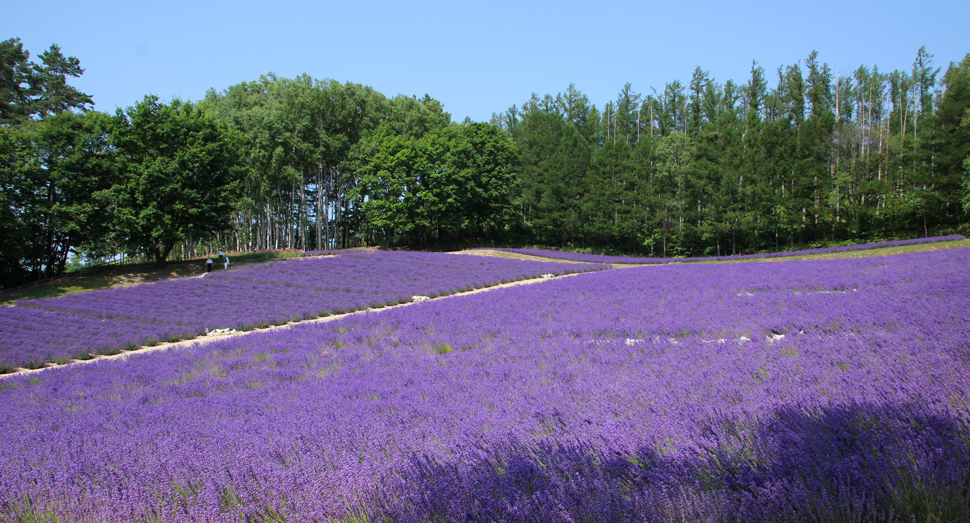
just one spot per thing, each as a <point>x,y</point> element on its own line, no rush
<point>861,253</point>
<point>511,255</point>
<point>529,257</point>
<point>202,340</point>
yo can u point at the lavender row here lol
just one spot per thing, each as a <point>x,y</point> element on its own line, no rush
<point>599,258</point>
<point>808,391</point>
<point>277,291</point>
<point>403,272</point>
<point>33,337</point>
<point>250,297</point>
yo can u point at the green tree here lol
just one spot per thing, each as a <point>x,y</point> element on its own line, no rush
<point>611,197</point>
<point>16,75</point>
<point>55,95</point>
<point>717,170</point>
<point>37,90</point>
<point>948,146</point>
<point>816,137</point>
<point>17,162</point>
<point>482,162</point>
<point>78,168</point>
<point>389,187</point>
<point>53,179</point>
<point>50,162</point>
<point>554,160</point>
<point>745,196</point>
<point>274,123</point>
<point>575,107</point>
<point>672,110</point>
<point>670,185</point>
<point>695,111</point>
<point>452,184</point>
<point>181,176</point>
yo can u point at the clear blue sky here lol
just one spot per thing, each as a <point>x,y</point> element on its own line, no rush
<point>475,57</point>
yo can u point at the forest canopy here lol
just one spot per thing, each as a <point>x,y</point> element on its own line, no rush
<point>700,168</point>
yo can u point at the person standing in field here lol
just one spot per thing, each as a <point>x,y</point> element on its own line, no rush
<point>227,261</point>
<point>208,265</point>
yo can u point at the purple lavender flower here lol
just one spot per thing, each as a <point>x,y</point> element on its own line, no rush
<point>804,391</point>
<point>247,298</point>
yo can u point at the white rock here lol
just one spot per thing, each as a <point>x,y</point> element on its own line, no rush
<point>420,298</point>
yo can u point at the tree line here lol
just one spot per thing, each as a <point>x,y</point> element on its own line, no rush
<point>330,165</point>
<point>705,168</point>
<point>274,163</point>
<point>78,181</point>
<point>711,168</point>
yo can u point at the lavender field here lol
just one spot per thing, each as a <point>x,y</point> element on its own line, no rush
<point>599,258</point>
<point>834,390</point>
<point>42,330</point>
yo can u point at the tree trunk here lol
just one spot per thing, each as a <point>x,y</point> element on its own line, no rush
<point>320,206</point>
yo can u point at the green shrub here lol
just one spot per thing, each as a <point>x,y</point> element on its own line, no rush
<point>35,364</point>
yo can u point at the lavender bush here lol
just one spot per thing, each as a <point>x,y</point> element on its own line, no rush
<point>254,296</point>
<point>808,391</point>
<point>32,337</point>
<point>599,258</point>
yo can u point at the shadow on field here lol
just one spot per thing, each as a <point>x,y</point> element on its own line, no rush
<point>860,462</point>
